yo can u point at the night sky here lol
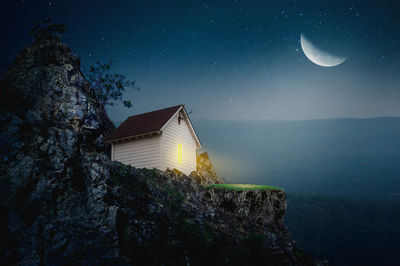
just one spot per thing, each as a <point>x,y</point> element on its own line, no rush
<point>231,59</point>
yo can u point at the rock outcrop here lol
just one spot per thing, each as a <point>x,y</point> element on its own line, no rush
<point>64,202</point>
<point>205,173</point>
<point>52,133</point>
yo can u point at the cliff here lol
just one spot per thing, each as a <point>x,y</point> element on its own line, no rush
<point>64,202</point>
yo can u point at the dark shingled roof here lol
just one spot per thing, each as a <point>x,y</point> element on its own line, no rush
<point>143,123</point>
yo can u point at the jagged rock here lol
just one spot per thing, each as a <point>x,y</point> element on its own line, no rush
<point>44,94</point>
<point>266,205</point>
<point>205,173</point>
<point>62,201</point>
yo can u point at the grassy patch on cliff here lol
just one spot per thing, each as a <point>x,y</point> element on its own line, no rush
<point>241,187</point>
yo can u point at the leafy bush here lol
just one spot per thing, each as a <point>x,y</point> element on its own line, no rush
<point>108,87</point>
<point>43,30</point>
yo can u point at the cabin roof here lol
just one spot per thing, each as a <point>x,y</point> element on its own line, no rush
<point>147,124</point>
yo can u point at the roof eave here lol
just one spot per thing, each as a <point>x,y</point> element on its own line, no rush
<point>148,134</point>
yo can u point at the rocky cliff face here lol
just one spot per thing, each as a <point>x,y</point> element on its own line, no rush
<point>64,202</point>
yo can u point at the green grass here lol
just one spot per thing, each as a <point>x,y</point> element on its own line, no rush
<point>242,187</point>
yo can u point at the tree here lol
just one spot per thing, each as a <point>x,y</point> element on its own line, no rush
<point>43,30</point>
<point>109,87</point>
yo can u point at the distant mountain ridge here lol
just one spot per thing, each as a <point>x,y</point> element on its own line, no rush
<point>261,121</point>
<point>342,178</point>
<point>342,157</point>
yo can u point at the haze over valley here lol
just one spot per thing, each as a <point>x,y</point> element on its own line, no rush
<point>342,178</point>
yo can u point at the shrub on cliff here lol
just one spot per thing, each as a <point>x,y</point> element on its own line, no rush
<point>109,87</point>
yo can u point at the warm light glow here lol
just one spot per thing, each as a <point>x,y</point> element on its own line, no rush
<point>179,153</point>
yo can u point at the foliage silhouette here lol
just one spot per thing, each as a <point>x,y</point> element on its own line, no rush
<point>108,87</point>
<point>43,30</point>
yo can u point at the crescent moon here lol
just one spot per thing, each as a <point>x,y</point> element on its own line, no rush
<point>317,56</point>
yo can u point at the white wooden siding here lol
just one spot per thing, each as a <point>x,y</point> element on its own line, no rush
<point>174,134</point>
<point>141,153</point>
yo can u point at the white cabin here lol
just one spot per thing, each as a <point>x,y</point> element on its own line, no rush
<point>160,139</point>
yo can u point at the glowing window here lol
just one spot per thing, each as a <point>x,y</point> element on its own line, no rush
<point>179,153</point>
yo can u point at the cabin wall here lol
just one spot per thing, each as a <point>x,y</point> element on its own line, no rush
<point>140,153</point>
<point>174,134</point>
